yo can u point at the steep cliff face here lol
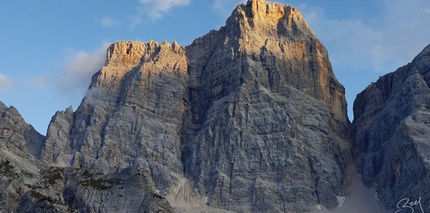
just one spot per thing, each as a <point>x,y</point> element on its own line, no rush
<point>248,118</point>
<point>18,168</point>
<point>268,115</point>
<point>29,185</point>
<point>17,135</point>
<point>391,133</point>
<point>78,190</point>
<point>131,117</point>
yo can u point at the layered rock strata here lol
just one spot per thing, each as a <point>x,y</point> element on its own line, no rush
<point>246,118</point>
<point>391,131</point>
<point>17,167</point>
<point>268,115</point>
<point>29,185</point>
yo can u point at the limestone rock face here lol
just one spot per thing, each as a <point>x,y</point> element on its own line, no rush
<point>392,132</point>
<point>268,115</point>
<point>29,185</point>
<point>58,139</point>
<point>248,118</point>
<point>131,117</point>
<point>18,167</point>
<point>78,190</point>
<point>17,135</point>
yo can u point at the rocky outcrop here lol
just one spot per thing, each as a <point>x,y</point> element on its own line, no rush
<point>78,190</point>
<point>18,168</point>
<point>248,118</point>
<point>391,131</point>
<point>16,135</point>
<point>268,115</point>
<point>130,117</point>
<point>29,185</point>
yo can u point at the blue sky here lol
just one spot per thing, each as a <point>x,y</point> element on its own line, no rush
<point>50,49</point>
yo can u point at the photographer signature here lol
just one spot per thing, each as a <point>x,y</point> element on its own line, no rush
<point>408,206</point>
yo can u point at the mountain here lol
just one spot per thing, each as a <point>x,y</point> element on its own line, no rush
<point>29,185</point>
<point>17,166</point>
<point>391,131</point>
<point>247,118</point>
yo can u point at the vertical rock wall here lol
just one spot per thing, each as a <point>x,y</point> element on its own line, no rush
<point>248,118</point>
<point>391,131</point>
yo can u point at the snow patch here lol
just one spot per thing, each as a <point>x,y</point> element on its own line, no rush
<point>157,191</point>
<point>376,196</point>
<point>319,207</point>
<point>341,201</point>
<point>206,200</point>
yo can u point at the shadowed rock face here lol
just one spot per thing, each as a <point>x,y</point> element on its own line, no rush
<point>18,142</point>
<point>248,118</point>
<point>79,190</point>
<point>29,185</point>
<point>16,135</point>
<point>391,131</point>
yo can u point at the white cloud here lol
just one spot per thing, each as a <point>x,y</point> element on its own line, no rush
<point>5,83</point>
<point>74,78</point>
<point>80,68</point>
<point>381,43</point>
<point>164,5</point>
<point>107,22</point>
<point>155,9</point>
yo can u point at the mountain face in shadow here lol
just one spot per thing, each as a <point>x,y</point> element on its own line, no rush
<point>391,133</point>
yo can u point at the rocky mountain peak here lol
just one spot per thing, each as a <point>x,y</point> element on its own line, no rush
<point>16,134</point>
<point>248,118</point>
<point>126,55</point>
<point>269,18</point>
<point>213,122</point>
<point>132,52</point>
<point>19,144</point>
<point>278,36</point>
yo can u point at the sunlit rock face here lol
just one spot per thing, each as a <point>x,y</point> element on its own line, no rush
<point>247,118</point>
<point>391,133</point>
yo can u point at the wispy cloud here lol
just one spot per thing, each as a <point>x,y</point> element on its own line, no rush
<point>80,68</point>
<point>381,43</point>
<point>155,9</point>
<point>5,83</point>
<point>75,76</point>
<point>107,21</point>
